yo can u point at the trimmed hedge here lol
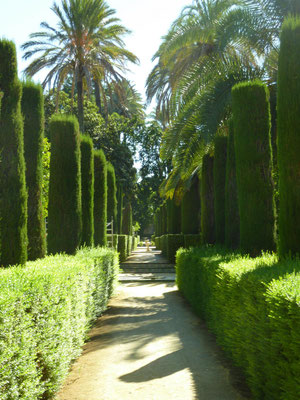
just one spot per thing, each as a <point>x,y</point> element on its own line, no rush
<point>174,242</point>
<point>46,310</point>
<point>64,209</point>
<point>111,195</point>
<point>127,220</point>
<point>33,113</point>
<point>13,194</point>
<point>87,190</point>
<point>164,245</point>
<point>164,226</point>
<point>190,207</point>
<point>120,196</point>
<point>232,216</point>
<point>219,186</point>
<point>252,305</point>
<point>207,201</point>
<point>122,247</point>
<point>288,106</point>
<point>129,245</point>
<point>114,240</point>
<point>100,198</point>
<point>192,241</point>
<point>253,154</point>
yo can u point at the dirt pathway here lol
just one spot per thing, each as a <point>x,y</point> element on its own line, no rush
<point>149,346</point>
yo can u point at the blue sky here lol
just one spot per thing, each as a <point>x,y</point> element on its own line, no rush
<point>148,20</point>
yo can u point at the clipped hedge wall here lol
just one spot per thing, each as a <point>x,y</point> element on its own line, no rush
<point>232,216</point>
<point>252,305</point>
<point>33,113</point>
<point>122,247</point>
<point>219,186</point>
<point>111,195</point>
<point>46,309</point>
<point>164,245</point>
<point>173,217</point>
<point>13,195</point>
<point>127,220</point>
<point>129,245</point>
<point>87,190</point>
<point>254,166</point>
<point>192,241</point>
<point>64,209</point>
<point>113,239</point>
<point>288,106</point>
<point>174,242</point>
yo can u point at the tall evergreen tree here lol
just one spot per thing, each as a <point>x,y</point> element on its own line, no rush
<point>207,201</point>
<point>87,190</point>
<point>33,113</point>
<point>100,198</point>
<point>111,195</point>
<point>120,196</point>
<point>64,209</point>
<point>13,196</point>
<point>127,220</point>
<point>190,207</point>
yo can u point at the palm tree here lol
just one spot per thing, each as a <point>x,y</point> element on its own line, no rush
<point>86,44</point>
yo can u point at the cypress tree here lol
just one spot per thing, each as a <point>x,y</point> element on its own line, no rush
<point>33,113</point>
<point>173,217</point>
<point>120,196</point>
<point>253,154</point>
<point>13,195</point>
<point>87,190</point>
<point>100,198</point>
<point>207,201</point>
<point>64,209</point>
<point>190,206</point>
<point>232,217</point>
<point>288,106</point>
<point>219,186</point>
<point>164,218</point>
<point>111,195</point>
<point>127,220</point>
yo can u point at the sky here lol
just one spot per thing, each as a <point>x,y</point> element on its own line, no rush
<point>148,21</point>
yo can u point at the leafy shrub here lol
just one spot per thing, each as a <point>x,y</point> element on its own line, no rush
<point>46,309</point>
<point>87,190</point>
<point>33,113</point>
<point>192,241</point>
<point>13,195</point>
<point>289,137</point>
<point>254,166</point>
<point>252,305</point>
<point>64,209</point>
<point>174,242</point>
<point>122,247</point>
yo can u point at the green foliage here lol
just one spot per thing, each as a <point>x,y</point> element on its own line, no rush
<point>129,244</point>
<point>46,310</point>
<point>164,245</point>
<point>219,186</point>
<point>173,217</point>
<point>127,220</point>
<point>289,137</point>
<point>252,305</point>
<point>192,241</point>
<point>87,190</point>
<point>100,198</point>
<point>174,242</point>
<point>122,247</point>
<point>207,201</point>
<point>120,196</point>
<point>113,239</point>
<point>65,213</point>
<point>232,217</point>
<point>33,112</point>
<point>111,195</point>
<point>190,207</point>
<point>46,175</point>
<point>13,196</point>
<point>253,155</point>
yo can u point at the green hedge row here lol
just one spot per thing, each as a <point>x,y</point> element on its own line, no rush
<point>46,309</point>
<point>126,244</point>
<point>174,242</point>
<point>252,305</point>
<point>169,244</point>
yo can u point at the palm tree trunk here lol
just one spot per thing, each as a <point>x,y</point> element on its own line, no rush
<point>98,97</point>
<point>80,99</point>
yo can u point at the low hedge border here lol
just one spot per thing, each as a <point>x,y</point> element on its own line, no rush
<point>192,241</point>
<point>46,309</point>
<point>122,247</point>
<point>253,307</point>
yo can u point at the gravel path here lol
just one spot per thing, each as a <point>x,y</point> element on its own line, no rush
<point>149,346</point>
